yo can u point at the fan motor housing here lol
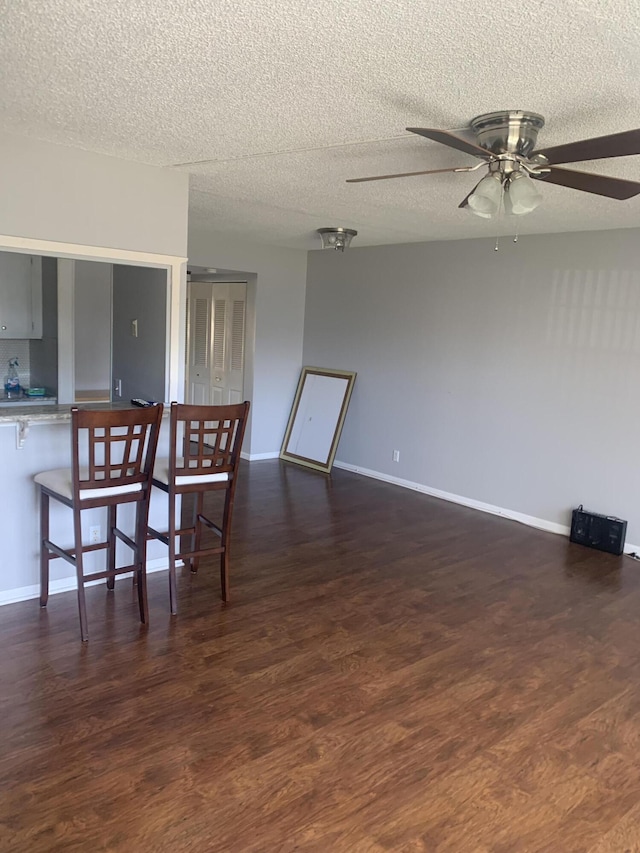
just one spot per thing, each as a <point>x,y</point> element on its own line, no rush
<point>508,131</point>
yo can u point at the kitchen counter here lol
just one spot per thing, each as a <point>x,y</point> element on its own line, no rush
<point>26,402</point>
<point>24,416</point>
<point>35,411</point>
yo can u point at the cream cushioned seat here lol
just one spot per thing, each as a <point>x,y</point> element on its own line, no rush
<point>60,481</point>
<point>161,474</point>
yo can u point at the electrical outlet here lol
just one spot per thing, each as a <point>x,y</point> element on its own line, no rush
<point>396,456</point>
<point>94,534</point>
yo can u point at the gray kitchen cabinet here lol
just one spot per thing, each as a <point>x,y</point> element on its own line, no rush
<point>20,296</point>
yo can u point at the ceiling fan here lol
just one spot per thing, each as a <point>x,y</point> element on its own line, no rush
<point>505,144</point>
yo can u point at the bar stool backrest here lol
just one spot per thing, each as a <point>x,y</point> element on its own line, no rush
<point>119,447</point>
<point>206,439</point>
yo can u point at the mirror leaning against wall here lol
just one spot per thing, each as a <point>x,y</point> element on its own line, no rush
<point>317,416</point>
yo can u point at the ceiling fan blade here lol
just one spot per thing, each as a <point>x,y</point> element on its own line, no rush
<point>590,183</point>
<point>600,147</point>
<point>453,141</point>
<point>410,174</point>
<point>465,201</point>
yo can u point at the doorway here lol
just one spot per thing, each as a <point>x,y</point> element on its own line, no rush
<point>119,322</point>
<point>216,326</point>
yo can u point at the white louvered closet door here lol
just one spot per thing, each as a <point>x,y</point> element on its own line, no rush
<point>215,364</point>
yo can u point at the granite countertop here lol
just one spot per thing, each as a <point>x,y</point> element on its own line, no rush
<point>12,402</point>
<point>55,413</point>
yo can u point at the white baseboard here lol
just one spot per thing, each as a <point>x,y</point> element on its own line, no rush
<point>24,593</point>
<point>529,520</point>
<point>256,457</point>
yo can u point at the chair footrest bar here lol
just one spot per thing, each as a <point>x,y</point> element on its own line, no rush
<point>152,533</point>
<point>98,546</point>
<point>210,525</point>
<point>207,552</point>
<point>124,538</point>
<point>96,576</point>
<point>164,537</point>
<point>71,552</point>
<point>59,552</point>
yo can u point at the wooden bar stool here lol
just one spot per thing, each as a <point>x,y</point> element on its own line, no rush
<point>204,456</point>
<point>120,448</point>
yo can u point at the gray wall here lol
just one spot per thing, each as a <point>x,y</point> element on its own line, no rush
<point>92,326</point>
<point>44,352</point>
<point>140,293</point>
<point>508,377</point>
<point>74,196</point>
<point>275,321</point>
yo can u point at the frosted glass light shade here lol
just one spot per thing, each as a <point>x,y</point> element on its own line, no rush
<point>524,196</point>
<point>485,199</point>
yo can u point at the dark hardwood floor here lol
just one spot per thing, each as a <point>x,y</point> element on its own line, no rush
<point>393,673</point>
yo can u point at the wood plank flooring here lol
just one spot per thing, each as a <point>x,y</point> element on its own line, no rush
<point>393,673</point>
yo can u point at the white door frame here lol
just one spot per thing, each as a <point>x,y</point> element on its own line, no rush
<point>188,342</point>
<point>176,268</point>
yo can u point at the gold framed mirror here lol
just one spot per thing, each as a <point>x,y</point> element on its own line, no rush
<point>317,415</point>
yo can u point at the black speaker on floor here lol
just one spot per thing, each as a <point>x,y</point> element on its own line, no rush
<point>603,532</point>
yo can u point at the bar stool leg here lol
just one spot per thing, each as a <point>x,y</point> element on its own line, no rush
<point>198,509</point>
<point>172,553</point>
<point>82,607</point>
<point>226,540</point>
<point>44,552</point>
<point>141,561</point>
<point>111,550</point>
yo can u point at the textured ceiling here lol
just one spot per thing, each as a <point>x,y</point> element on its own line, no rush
<point>290,98</point>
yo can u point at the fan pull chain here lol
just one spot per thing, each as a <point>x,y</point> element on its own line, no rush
<point>501,210</point>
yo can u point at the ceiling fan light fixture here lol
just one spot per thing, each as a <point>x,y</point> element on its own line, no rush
<point>465,206</point>
<point>486,197</point>
<point>336,238</point>
<point>523,194</point>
